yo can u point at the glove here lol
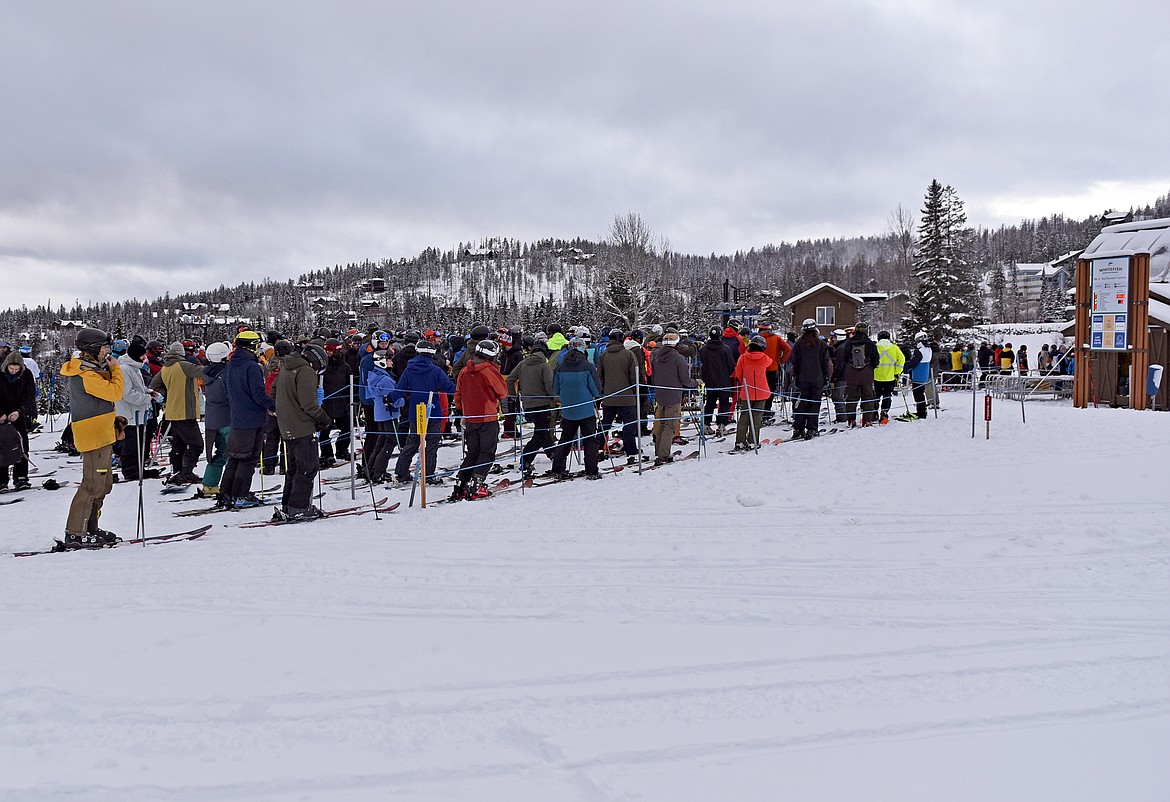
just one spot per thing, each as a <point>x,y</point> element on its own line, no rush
<point>320,395</point>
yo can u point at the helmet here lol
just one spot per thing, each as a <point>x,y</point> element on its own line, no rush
<point>283,347</point>
<point>757,343</point>
<point>412,336</point>
<point>862,328</point>
<point>316,357</point>
<point>671,338</point>
<point>156,349</point>
<point>380,360</point>
<point>577,343</point>
<point>90,341</point>
<point>248,340</point>
<point>324,333</point>
<point>487,349</point>
<point>528,342</point>
<point>808,325</point>
<point>26,350</point>
<point>189,345</point>
<point>656,331</point>
<point>764,326</point>
<point>218,352</point>
<point>584,333</point>
<point>480,332</point>
<point>332,344</point>
<point>119,347</point>
<point>885,335</point>
<point>426,347</point>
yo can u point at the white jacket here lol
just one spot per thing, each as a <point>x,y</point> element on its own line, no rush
<point>135,396</point>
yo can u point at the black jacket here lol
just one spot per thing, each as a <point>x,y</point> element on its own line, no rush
<point>717,361</point>
<point>810,362</point>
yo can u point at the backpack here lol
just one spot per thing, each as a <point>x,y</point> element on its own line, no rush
<point>857,358</point>
<point>11,446</point>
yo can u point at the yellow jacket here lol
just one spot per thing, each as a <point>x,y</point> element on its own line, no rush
<point>891,360</point>
<point>93,389</point>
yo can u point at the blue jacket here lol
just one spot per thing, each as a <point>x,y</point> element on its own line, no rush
<point>919,364</point>
<point>363,375</point>
<point>381,385</point>
<point>245,389</point>
<point>575,382</point>
<point>420,377</point>
<point>218,413</point>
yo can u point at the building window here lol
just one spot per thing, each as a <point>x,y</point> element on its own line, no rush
<point>826,315</point>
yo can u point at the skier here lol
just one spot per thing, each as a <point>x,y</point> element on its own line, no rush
<point>856,359</point>
<point>176,381</point>
<point>891,360</point>
<point>779,352</point>
<point>477,393</point>
<point>575,383</point>
<point>335,384</point>
<point>217,420</point>
<point>812,371</point>
<point>919,369</point>
<point>420,380</point>
<point>250,408</point>
<point>137,406</point>
<point>617,372</point>
<point>717,363</point>
<point>672,376</point>
<point>300,416</point>
<point>751,393</point>
<point>18,404</point>
<point>532,383</point>
<point>380,447</point>
<point>95,385</point>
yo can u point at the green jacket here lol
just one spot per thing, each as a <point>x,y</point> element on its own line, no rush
<point>295,392</point>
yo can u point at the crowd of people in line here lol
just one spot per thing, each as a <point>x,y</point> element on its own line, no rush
<point>270,404</point>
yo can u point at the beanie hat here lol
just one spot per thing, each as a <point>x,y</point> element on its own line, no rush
<point>136,351</point>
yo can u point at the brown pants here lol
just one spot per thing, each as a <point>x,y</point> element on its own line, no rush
<point>665,420</point>
<point>97,480</point>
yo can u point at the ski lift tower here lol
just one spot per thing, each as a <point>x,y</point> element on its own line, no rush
<point>736,304</point>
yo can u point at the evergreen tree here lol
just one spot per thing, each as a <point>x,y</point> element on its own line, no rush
<point>998,287</point>
<point>944,276</point>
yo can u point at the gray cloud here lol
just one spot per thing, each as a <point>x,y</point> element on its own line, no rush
<point>173,146</point>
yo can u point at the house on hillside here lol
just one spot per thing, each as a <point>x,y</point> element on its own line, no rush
<point>372,285</point>
<point>829,305</point>
<point>478,254</point>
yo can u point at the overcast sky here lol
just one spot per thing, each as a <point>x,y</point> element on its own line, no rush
<point>167,145</point>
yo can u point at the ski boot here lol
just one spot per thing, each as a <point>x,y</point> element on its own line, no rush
<point>479,491</point>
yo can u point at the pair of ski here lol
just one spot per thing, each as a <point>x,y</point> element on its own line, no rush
<point>153,540</point>
<point>268,491</point>
<point>362,509</point>
<point>266,501</point>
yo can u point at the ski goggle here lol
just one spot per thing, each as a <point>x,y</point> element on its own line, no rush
<point>384,337</point>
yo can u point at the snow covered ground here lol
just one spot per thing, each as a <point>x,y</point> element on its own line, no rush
<point>903,613</point>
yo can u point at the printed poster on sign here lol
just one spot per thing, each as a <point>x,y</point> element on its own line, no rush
<point>1108,332</point>
<point>1111,285</point>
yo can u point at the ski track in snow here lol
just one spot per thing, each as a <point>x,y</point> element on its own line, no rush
<point>867,616</point>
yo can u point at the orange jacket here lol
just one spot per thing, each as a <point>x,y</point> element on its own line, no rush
<point>752,369</point>
<point>777,349</point>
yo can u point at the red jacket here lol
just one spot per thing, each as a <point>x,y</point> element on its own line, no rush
<point>752,369</point>
<point>479,390</point>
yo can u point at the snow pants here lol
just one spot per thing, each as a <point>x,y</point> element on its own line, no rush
<point>574,432</point>
<point>481,440</point>
<point>243,453</point>
<point>628,415</point>
<point>807,411</point>
<point>542,436</point>
<point>97,480</point>
<point>303,463</point>
<point>186,445</point>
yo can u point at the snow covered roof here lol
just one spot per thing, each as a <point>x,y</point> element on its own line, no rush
<point>1148,236</point>
<point>824,285</point>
